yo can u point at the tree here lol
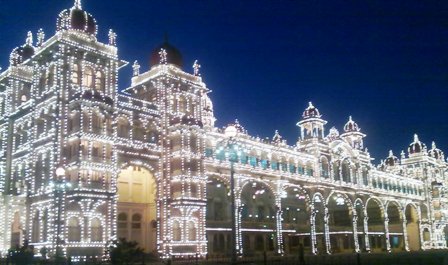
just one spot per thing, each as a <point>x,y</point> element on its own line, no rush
<point>125,252</point>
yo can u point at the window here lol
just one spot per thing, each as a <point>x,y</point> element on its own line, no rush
<point>191,231</point>
<point>176,231</point>
<point>76,73</point>
<point>50,76</point>
<point>136,221</point>
<point>325,167</point>
<point>96,230</point>
<point>88,80</point>
<point>99,81</point>
<point>74,230</point>
<point>122,220</point>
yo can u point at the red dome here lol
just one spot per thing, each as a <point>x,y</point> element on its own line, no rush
<point>77,19</point>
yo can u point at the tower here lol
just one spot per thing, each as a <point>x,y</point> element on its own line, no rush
<point>352,134</point>
<point>312,124</point>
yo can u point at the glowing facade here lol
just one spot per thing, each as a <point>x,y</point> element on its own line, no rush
<point>147,164</point>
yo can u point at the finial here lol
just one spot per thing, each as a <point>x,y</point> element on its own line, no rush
<point>77,4</point>
<point>415,138</point>
<point>29,38</point>
<point>40,37</point>
<point>391,153</point>
<point>136,68</point>
<point>112,38</point>
<point>433,145</point>
<point>403,156</point>
<point>310,104</point>
<point>350,118</point>
<point>196,67</point>
<point>163,54</point>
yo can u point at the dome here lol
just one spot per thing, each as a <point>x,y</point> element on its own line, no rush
<point>416,146</point>
<point>392,160</point>
<point>435,152</point>
<point>171,54</point>
<point>23,53</point>
<point>77,19</point>
<point>351,126</point>
<point>311,112</point>
<point>333,134</point>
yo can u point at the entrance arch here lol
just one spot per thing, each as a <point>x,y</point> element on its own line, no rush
<point>375,225</point>
<point>296,220</point>
<point>319,224</point>
<point>258,218</point>
<point>137,211</point>
<point>395,216</point>
<point>340,223</point>
<point>359,209</point>
<point>412,227</point>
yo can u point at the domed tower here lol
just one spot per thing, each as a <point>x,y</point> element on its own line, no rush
<point>436,152</point>
<point>392,160</point>
<point>312,124</point>
<point>352,134</point>
<point>24,52</point>
<point>166,54</point>
<point>77,20</point>
<point>416,147</point>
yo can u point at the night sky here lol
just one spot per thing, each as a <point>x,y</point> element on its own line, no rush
<point>383,62</point>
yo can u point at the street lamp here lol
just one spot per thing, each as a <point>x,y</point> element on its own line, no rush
<point>59,188</point>
<point>232,151</point>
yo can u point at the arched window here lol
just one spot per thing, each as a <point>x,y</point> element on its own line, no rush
<point>324,167</point>
<point>345,170</point>
<point>182,104</point>
<point>176,231</point>
<point>136,221</point>
<point>336,172</point>
<point>365,175</point>
<point>88,78</point>
<point>99,81</point>
<point>122,220</point>
<point>96,233</point>
<point>76,74</point>
<point>74,229</point>
<point>191,231</point>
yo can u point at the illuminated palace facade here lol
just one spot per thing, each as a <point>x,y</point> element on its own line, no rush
<point>147,164</point>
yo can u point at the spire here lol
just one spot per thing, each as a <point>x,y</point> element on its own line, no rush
<point>391,153</point>
<point>310,105</point>
<point>77,4</point>
<point>29,39</point>
<point>350,118</point>
<point>434,145</point>
<point>196,67</point>
<point>415,138</point>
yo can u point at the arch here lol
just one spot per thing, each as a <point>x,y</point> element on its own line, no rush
<point>374,211</point>
<point>395,225</point>
<point>346,170</point>
<point>258,209</point>
<point>359,211</point>
<point>340,222</point>
<point>318,220</point>
<point>137,201</point>
<point>324,167</point>
<point>296,211</point>
<point>413,227</point>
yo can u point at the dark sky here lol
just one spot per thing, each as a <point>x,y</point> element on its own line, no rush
<point>383,62</point>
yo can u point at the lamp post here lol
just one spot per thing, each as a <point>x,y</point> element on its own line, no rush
<point>232,151</point>
<point>59,187</point>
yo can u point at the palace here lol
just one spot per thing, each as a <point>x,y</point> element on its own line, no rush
<point>84,162</point>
